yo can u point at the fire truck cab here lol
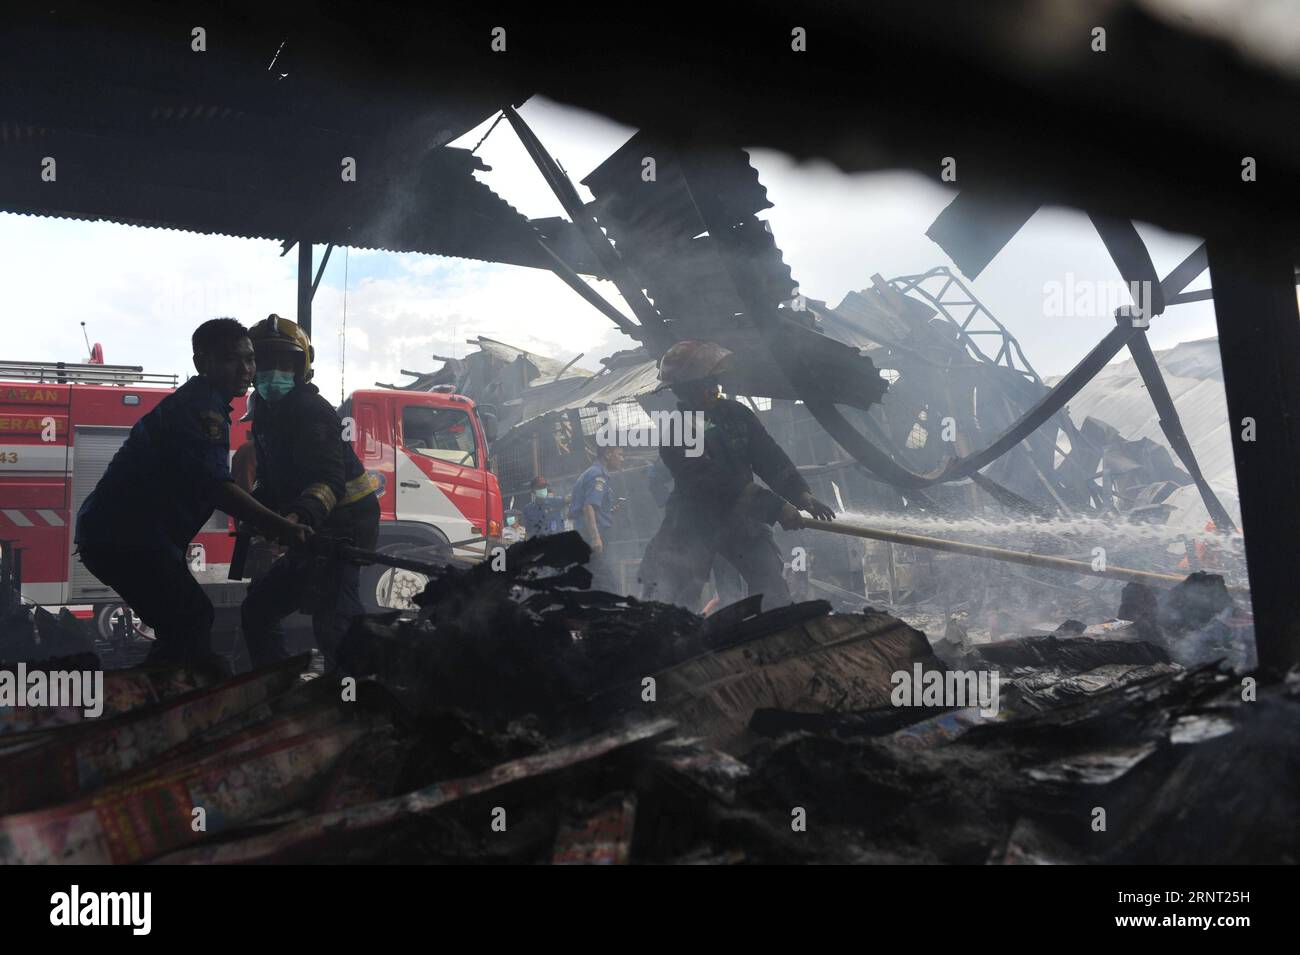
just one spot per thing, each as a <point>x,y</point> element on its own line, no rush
<point>61,424</point>
<point>427,455</point>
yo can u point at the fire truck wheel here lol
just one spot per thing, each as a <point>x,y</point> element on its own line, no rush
<point>391,588</point>
<point>107,617</point>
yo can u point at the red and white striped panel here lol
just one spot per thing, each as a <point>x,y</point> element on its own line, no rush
<point>30,517</point>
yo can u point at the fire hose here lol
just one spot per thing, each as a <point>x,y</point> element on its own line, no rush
<point>993,553</point>
<point>336,549</point>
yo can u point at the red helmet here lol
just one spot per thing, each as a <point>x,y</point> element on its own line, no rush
<point>693,361</point>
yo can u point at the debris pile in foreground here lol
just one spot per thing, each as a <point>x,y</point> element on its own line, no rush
<point>518,719</point>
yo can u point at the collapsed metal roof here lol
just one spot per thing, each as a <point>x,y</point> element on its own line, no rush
<point>149,131</point>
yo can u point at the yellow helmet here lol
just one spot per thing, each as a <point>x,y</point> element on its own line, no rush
<point>693,361</point>
<point>274,333</point>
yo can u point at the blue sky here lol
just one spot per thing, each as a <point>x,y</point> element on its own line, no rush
<point>141,291</point>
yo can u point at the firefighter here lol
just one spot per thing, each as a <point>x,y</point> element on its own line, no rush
<point>307,471</point>
<point>592,507</point>
<point>727,584</point>
<point>541,516</point>
<point>715,507</point>
<point>162,486</point>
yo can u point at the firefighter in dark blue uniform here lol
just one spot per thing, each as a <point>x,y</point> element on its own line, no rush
<point>306,470</point>
<point>592,507</point>
<point>715,507</point>
<point>162,486</point>
<point>727,584</point>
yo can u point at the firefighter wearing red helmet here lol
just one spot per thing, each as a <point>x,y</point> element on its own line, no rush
<point>715,506</point>
<point>306,470</point>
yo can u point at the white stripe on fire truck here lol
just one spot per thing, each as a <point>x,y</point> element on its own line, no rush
<point>26,519</point>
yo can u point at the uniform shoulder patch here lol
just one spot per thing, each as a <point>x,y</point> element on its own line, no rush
<point>213,426</point>
<point>598,485</point>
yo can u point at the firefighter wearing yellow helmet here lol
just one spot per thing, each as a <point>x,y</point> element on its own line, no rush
<point>284,352</point>
<point>307,471</point>
<point>716,508</point>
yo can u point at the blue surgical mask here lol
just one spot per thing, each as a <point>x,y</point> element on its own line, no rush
<point>510,521</point>
<point>542,492</point>
<point>273,385</point>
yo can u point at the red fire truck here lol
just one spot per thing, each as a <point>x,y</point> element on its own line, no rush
<point>60,425</point>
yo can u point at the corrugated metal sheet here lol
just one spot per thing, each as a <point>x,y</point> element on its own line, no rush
<point>140,137</point>
<point>549,368</point>
<point>1194,376</point>
<point>626,384</point>
<point>439,208</point>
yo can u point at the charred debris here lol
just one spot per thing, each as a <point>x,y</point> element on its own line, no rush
<point>517,717</point>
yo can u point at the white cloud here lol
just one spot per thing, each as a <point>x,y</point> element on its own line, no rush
<point>406,319</point>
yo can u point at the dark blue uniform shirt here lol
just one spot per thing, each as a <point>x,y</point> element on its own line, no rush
<point>152,495</point>
<point>543,517</point>
<point>593,488</point>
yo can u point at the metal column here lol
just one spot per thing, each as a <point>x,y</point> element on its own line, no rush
<point>304,286</point>
<point>1259,340</point>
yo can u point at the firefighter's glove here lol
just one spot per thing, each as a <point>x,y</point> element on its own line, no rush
<point>815,507</point>
<point>292,534</point>
<point>789,517</point>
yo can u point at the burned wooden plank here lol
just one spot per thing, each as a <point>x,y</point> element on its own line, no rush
<point>125,691</point>
<point>1075,654</point>
<point>320,718</point>
<point>375,815</point>
<point>833,663</point>
<point>141,822</point>
<point>92,755</point>
<point>700,766</point>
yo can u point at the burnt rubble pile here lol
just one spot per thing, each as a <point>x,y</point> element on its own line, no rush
<point>33,633</point>
<point>519,718</point>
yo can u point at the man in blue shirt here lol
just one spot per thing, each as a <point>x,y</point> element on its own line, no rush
<point>542,515</point>
<point>592,510</point>
<point>160,489</point>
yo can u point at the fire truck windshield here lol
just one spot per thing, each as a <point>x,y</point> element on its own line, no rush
<point>443,433</point>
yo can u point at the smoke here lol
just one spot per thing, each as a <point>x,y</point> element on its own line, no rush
<point>976,600</point>
<point>1140,546</point>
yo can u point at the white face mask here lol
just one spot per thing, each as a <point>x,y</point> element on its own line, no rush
<point>542,492</point>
